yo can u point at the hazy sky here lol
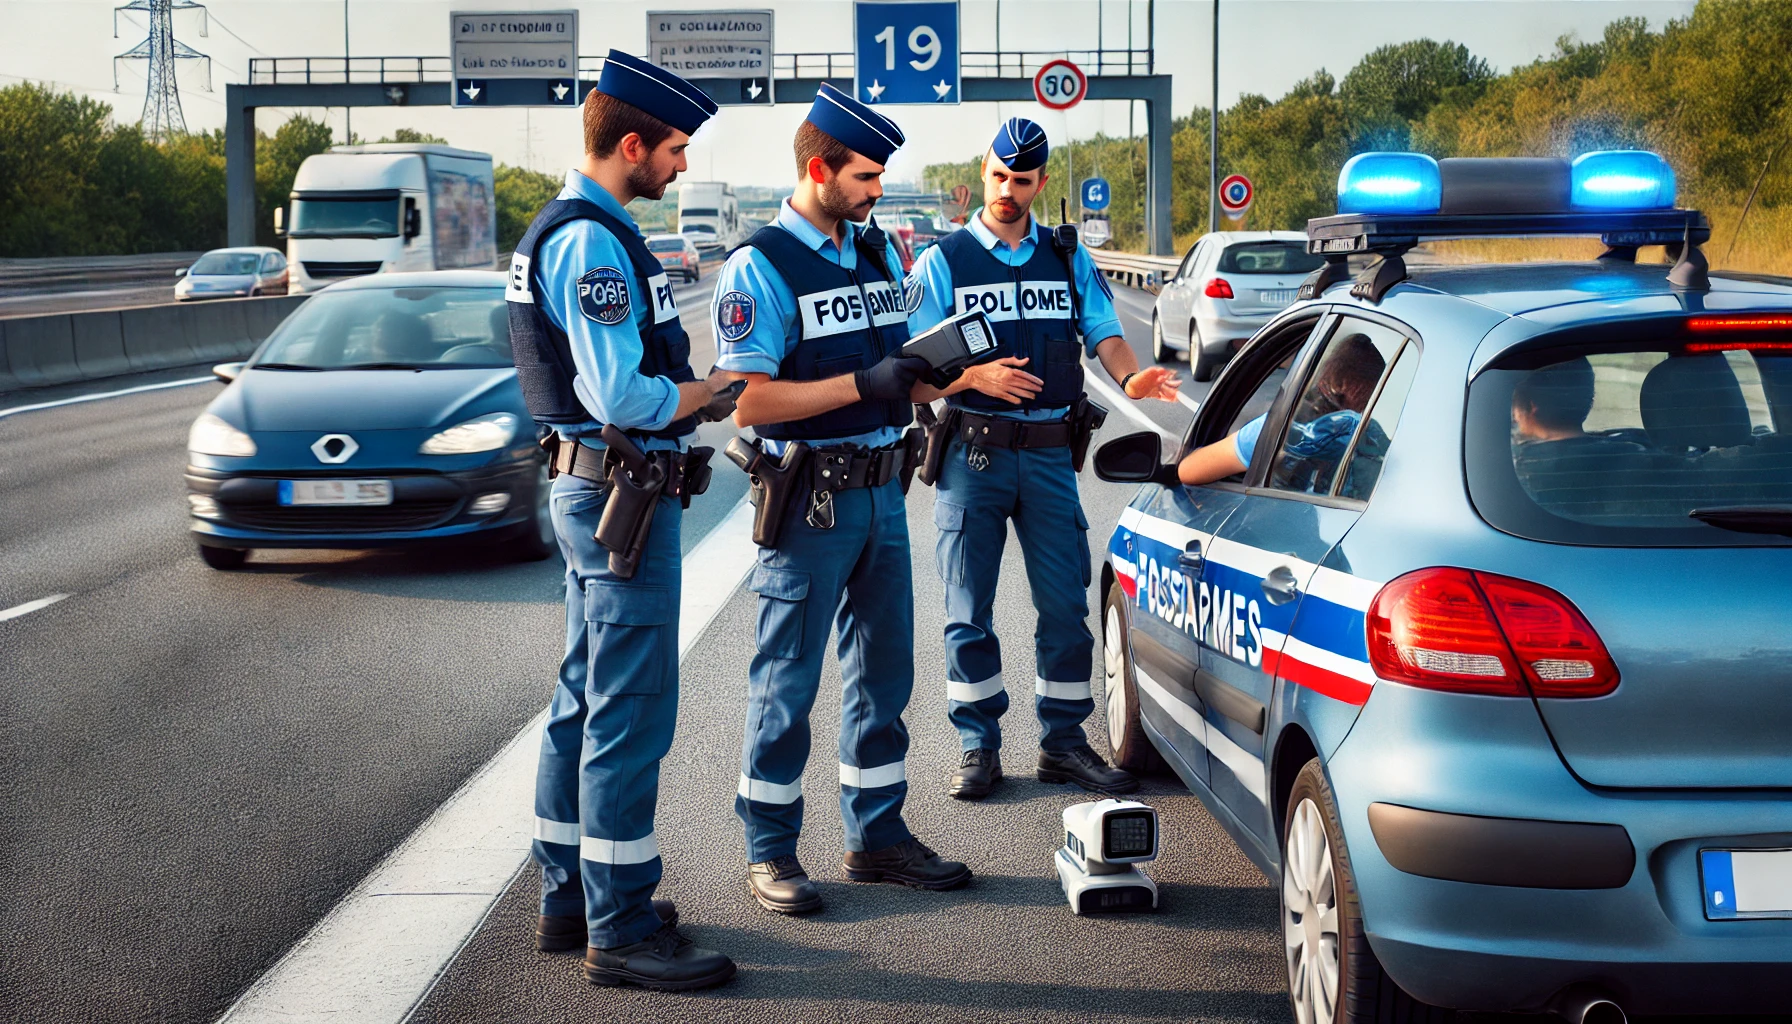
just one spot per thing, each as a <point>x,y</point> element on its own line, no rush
<point>1266,46</point>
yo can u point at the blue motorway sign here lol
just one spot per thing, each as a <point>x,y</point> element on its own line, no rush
<point>1096,194</point>
<point>907,51</point>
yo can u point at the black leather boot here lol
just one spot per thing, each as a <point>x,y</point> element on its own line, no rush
<point>977,774</point>
<point>665,960</point>
<point>782,886</point>
<point>1085,767</point>
<point>908,863</point>
<point>565,934</point>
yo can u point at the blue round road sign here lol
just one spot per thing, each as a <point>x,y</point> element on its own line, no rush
<point>1096,194</point>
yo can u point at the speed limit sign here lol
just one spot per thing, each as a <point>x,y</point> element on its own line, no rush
<point>1236,194</point>
<point>1060,85</point>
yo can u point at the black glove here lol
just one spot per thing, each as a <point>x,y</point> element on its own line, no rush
<point>890,380</point>
<point>722,405</point>
<point>1166,476</point>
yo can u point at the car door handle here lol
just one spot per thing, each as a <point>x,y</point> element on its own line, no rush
<point>1280,586</point>
<point>1192,560</point>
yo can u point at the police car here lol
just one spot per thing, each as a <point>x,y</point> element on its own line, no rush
<point>1485,656</point>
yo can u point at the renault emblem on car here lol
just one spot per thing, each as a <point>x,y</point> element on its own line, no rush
<point>334,449</point>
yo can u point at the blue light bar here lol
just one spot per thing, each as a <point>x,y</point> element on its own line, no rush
<point>1621,179</point>
<point>1390,183</point>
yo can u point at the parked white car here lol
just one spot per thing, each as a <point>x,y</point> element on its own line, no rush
<point>1229,284</point>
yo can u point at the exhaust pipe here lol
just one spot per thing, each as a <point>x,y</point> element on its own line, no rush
<point>1592,1009</point>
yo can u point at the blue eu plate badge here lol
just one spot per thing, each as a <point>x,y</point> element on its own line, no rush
<point>603,296</point>
<point>734,316</point>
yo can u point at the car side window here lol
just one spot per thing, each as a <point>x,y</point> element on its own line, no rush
<point>270,263</point>
<point>1331,406</point>
<point>1364,465</point>
<point>1188,262</point>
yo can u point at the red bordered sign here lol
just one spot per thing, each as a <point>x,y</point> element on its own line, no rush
<point>1060,85</point>
<point>1236,194</point>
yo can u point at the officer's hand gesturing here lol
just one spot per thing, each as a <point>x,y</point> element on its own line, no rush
<point>1003,378</point>
<point>890,380</point>
<point>1159,382</point>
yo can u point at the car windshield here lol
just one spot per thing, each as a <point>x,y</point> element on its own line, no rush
<point>1623,447</point>
<point>697,211</point>
<point>665,245</point>
<point>396,328</point>
<point>1272,257</point>
<point>325,218</point>
<point>225,264</point>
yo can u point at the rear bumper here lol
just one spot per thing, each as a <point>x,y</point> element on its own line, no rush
<point>1470,911</point>
<point>1222,335</point>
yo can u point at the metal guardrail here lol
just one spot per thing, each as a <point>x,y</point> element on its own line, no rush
<point>1147,273</point>
<point>23,277</point>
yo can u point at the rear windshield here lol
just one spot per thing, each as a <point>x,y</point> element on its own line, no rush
<point>225,264</point>
<point>393,328</point>
<point>665,245</point>
<point>1268,258</point>
<point>1624,447</point>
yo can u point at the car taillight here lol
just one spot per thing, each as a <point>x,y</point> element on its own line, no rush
<point>1218,288</point>
<point>1477,632</point>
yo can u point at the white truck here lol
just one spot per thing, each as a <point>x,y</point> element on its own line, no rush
<point>395,206</point>
<point>709,214</point>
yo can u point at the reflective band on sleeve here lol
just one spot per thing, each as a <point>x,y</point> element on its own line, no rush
<point>1062,691</point>
<point>970,692</point>
<point>872,778</point>
<point>764,792</point>
<point>566,833</point>
<point>609,851</point>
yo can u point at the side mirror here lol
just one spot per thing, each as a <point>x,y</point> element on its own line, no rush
<point>182,272</point>
<point>228,372</point>
<point>1132,459</point>
<point>279,222</point>
<point>413,219</point>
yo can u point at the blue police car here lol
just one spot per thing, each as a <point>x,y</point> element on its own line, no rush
<point>384,411</point>
<point>1483,650</point>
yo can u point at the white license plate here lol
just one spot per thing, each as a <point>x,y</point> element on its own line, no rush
<point>1746,883</point>
<point>335,492</point>
<point>1281,296</point>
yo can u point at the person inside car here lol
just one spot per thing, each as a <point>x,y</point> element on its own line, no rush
<point>1322,424</point>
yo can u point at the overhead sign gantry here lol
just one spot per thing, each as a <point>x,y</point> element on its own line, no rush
<point>515,58</point>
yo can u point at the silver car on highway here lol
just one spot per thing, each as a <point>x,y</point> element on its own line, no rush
<point>233,273</point>
<point>1229,284</point>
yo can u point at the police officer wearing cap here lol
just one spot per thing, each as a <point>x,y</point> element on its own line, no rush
<point>810,313</point>
<point>597,340</point>
<point>1010,458</point>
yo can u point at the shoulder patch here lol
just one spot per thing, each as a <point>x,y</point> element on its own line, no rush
<point>914,288</point>
<point>734,315</point>
<point>603,296</point>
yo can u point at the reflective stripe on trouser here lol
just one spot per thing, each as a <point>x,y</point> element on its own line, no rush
<point>854,578</point>
<point>1037,489</point>
<point>609,724</point>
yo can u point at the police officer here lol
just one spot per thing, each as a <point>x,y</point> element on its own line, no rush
<point>598,342</point>
<point>1010,458</point>
<point>810,313</point>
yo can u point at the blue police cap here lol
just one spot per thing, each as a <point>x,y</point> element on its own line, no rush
<point>656,91</point>
<point>856,126</point>
<point>1021,145</point>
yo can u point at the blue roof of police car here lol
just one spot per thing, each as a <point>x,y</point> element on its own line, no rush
<point>1519,288</point>
<point>423,279</point>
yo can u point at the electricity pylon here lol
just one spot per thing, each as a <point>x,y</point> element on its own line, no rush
<point>162,117</point>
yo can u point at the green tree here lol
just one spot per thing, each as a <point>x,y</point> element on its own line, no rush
<point>413,135</point>
<point>1398,84</point>
<point>277,160</point>
<point>521,194</point>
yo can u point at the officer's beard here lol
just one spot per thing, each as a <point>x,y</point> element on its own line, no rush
<point>1007,210</point>
<point>644,181</point>
<point>835,203</point>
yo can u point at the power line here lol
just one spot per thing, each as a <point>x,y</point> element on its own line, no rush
<point>162,117</point>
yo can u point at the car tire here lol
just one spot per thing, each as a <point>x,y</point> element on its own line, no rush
<point>1316,871</point>
<point>1159,351</point>
<point>1202,366</point>
<point>538,541</point>
<point>224,559</point>
<point>1127,741</point>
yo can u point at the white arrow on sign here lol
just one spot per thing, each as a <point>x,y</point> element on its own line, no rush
<point>876,90</point>
<point>472,92</point>
<point>941,89</point>
<point>560,90</point>
<point>753,90</point>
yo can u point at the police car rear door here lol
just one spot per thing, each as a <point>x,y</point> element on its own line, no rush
<point>1262,563</point>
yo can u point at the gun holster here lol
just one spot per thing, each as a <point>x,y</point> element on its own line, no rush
<point>635,483</point>
<point>937,437</point>
<point>697,473</point>
<point>914,448</point>
<point>773,484</point>
<point>1086,418</point>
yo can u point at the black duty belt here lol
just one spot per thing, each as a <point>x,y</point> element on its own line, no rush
<point>841,469</point>
<point>587,463</point>
<point>1002,432</point>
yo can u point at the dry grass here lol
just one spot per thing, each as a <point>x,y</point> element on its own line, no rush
<point>1764,247</point>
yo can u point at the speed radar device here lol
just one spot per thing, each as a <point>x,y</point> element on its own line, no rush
<point>952,345</point>
<point>1105,841</point>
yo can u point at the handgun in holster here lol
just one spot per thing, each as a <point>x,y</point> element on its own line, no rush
<point>1086,418</point>
<point>938,431</point>
<point>773,483</point>
<point>697,473</point>
<point>635,483</point>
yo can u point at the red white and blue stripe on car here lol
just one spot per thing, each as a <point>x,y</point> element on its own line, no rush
<point>1323,650</point>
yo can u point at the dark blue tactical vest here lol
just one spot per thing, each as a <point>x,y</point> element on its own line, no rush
<point>544,366</point>
<point>1032,309</point>
<point>848,320</point>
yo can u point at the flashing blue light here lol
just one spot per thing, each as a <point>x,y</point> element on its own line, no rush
<point>1390,183</point>
<point>1622,179</point>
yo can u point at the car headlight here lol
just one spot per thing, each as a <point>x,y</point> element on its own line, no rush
<point>480,434</point>
<point>212,436</point>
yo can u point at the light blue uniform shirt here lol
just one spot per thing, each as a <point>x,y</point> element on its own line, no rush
<point>609,383</point>
<point>933,276</point>
<point>776,324</point>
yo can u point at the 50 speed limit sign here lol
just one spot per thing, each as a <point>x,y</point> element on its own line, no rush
<point>1236,194</point>
<point>1060,85</point>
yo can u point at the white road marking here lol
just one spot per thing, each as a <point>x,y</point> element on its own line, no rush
<point>28,607</point>
<point>377,954</point>
<point>78,399</point>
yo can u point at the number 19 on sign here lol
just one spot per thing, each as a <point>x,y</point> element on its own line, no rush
<point>907,51</point>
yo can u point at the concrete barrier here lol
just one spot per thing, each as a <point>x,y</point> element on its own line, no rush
<point>62,348</point>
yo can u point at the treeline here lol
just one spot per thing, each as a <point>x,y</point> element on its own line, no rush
<point>75,183</point>
<point>1711,92</point>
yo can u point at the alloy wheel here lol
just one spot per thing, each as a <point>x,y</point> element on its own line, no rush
<point>1113,665</point>
<point>1310,917</point>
